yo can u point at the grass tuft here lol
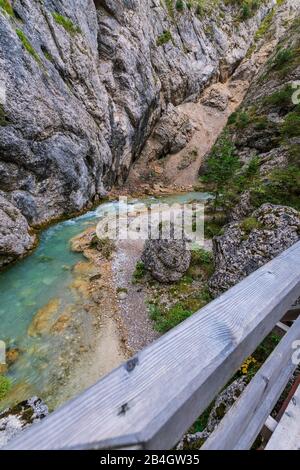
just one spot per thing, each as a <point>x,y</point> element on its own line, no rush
<point>28,46</point>
<point>66,23</point>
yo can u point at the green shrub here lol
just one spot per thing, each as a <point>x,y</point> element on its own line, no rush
<point>265,26</point>
<point>139,272</point>
<point>164,38</point>
<point>252,169</point>
<point>179,5</point>
<point>6,6</point>
<point>281,98</point>
<point>213,229</point>
<point>165,321</point>
<point>291,125</point>
<point>5,386</point>
<point>243,120</point>
<point>240,119</point>
<point>222,164</point>
<point>282,58</point>
<point>66,23</point>
<point>249,224</point>
<point>232,118</point>
<point>27,45</point>
<point>246,11</point>
<point>282,187</point>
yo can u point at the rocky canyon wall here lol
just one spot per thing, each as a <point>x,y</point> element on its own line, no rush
<point>83,83</point>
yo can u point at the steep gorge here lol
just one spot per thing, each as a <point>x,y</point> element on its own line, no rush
<point>83,84</point>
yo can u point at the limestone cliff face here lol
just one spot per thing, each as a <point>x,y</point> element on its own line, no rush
<point>82,82</point>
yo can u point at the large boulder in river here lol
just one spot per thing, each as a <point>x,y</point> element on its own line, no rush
<point>166,260</point>
<point>249,244</point>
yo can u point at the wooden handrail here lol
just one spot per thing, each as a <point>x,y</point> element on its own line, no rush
<point>150,401</point>
<point>243,422</point>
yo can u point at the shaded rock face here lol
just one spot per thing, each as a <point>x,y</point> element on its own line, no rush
<point>81,92</point>
<point>239,252</point>
<point>172,133</point>
<point>166,260</point>
<point>223,403</point>
<point>14,420</point>
<point>15,238</point>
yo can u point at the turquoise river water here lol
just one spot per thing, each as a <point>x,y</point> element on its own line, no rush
<point>29,285</point>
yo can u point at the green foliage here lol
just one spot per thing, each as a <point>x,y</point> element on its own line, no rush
<point>27,45</point>
<point>261,123</point>
<point>221,166</point>
<point>139,272</point>
<point>249,224</point>
<point>179,5</point>
<point>6,6</point>
<point>291,126</point>
<point>240,119</point>
<point>282,58</point>
<point>165,321</point>
<point>246,11</point>
<point>5,386</point>
<point>294,154</point>
<point>66,23</point>
<point>48,55</point>
<point>252,168</point>
<point>204,259</point>
<point>281,98</point>
<point>3,118</point>
<point>247,8</point>
<point>164,38</point>
<point>282,187</point>
<point>264,26</point>
<point>186,296</point>
<point>213,228</point>
<point>170,7</point>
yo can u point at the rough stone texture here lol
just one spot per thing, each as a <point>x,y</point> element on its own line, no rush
<point>14,235</point>
<point>14,420</point>
<point>216,99</point>
<point>223,403</point>
<point>238,253</point>
<point>167,260</point>
<point>79,106</point>
<point>172,132</point>
<point>243,208</point>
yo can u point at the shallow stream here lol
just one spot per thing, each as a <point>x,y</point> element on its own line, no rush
<point>44,281</point>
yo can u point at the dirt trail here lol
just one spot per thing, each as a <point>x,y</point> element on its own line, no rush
<point>132,308</point>
<point>209,115</point>
<point>209,123</point>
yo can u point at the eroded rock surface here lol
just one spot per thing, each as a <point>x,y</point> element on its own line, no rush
<point>84,82</point>
<point>14,420</point>
<point>166,260</point>
<point>249,244</point>
<point>15,236</point>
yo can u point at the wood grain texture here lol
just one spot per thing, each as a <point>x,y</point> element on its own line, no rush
<point>154,398</point>
<point>287,433</point>
<point>241,425</point>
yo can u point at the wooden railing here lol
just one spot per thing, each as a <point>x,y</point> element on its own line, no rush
<point>150,401</point>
